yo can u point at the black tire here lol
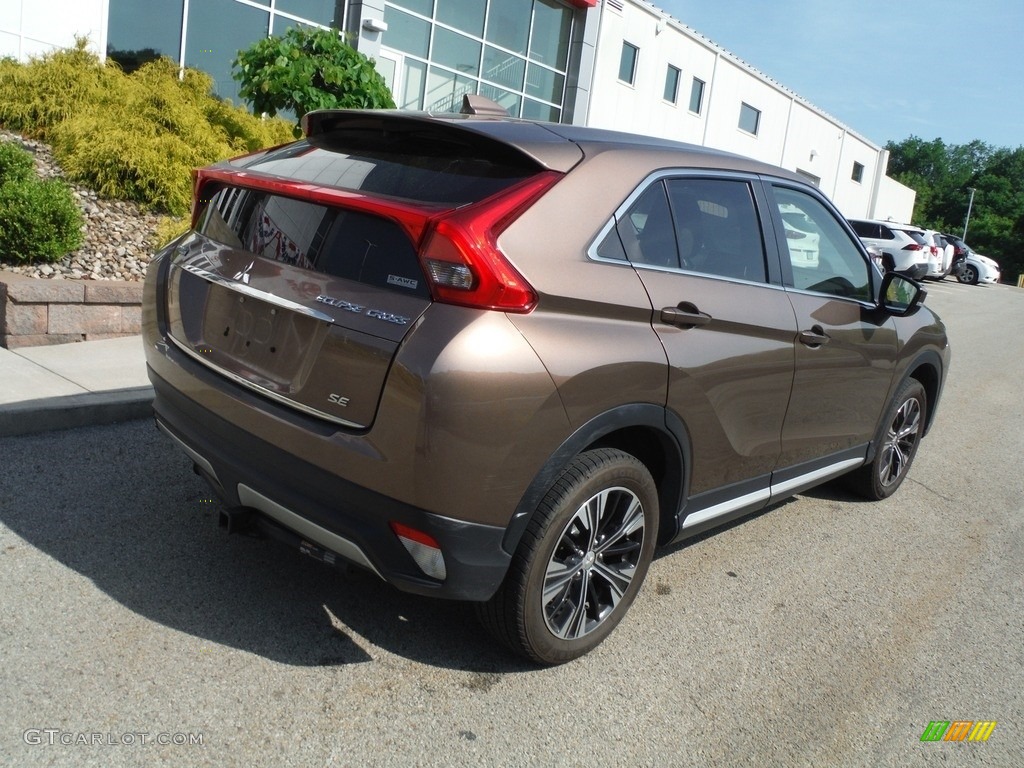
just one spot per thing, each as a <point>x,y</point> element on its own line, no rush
<point>897,444</point>
<point>588,548</point>
<point>969,274</point>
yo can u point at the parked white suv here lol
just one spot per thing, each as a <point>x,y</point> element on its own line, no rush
<point>903,246</point>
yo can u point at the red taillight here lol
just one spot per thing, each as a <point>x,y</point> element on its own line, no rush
<point>912,247</point>
<point>461,257</point>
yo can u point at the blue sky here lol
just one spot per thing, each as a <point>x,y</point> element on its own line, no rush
<point>929,68</point>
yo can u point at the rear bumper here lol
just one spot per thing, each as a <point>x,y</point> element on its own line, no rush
<point>328,512</point>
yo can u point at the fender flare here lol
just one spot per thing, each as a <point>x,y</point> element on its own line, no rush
<point>675,443</point>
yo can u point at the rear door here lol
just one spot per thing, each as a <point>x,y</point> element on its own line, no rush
<point>726,324</point>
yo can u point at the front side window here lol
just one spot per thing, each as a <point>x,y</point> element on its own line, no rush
<point>750,119</point>
<point>823,257</point>
<point>864,228</point>
<point>627,62</point>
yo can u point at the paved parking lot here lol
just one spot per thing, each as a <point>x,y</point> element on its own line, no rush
<point>826,631</point>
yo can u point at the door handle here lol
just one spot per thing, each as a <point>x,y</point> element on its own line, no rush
<point>815,337</point>
<point>684,315</point>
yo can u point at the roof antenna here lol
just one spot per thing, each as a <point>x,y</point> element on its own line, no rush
<point>473,104</point>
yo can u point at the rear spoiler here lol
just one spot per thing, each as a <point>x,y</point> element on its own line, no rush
<point>483,131</point>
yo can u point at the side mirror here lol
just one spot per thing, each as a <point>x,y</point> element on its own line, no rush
<point>900,295</point>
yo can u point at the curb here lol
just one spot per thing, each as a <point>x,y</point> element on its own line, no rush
<point>88,409</point>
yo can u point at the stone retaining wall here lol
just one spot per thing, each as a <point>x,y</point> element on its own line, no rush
<point>35,312</point>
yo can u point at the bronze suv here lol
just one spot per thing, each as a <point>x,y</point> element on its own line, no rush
<point>500,361</point>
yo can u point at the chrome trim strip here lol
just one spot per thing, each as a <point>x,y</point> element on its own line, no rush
<point>192,454</point>
<point>247,290</point>
<point>726,507</point>
<point>832,470</point>
<point>263,390</point>
<point>772,494</point>
<point>316,534</point>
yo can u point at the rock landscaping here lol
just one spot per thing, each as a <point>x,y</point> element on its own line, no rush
<point>119,236</point>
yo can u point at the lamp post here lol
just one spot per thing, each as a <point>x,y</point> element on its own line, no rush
<point>967,220</point>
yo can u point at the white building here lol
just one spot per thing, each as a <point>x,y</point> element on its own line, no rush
<point>621,64</point>
<point>653,74</point>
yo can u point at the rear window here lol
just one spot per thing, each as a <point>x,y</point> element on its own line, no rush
<point>347,244</point>
<point>413,163</point>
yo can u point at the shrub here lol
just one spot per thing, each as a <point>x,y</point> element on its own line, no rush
<point>39,220</point>
<point>169,228</point>
<point>144,147</point>
<point>306,69</point>
<point>15,163</point>
<point>36,96</point>
<point>130,137</point>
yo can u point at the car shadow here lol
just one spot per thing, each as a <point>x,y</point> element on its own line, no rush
<point>120,506</point>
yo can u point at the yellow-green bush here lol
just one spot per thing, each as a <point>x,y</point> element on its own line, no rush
<point>36,96</point>
<point>169,228</point>
<point>131,137</point>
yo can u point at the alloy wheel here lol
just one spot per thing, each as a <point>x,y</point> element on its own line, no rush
<point>593,563</point>
<point>900,441</point>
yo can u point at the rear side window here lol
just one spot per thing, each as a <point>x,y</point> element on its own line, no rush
<point>348,244</point>
<point>717,228</point>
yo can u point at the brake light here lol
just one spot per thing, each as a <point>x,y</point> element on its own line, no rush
<point>912,247</point>
<point>461,258</point>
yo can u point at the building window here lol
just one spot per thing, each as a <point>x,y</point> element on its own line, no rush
<point>627,63</point>
<point>139,31</point>
<point>515,52</point>
<point>672,83</point>
<point>696,96</point>
<point>750,118</point>
<point>216,30</point>
<point>858,173</point>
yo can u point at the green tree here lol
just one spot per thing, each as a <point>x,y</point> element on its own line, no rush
<point>306,69</point>
<point>943,175</point>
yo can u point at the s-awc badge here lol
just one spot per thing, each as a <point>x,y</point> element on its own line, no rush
<point>403,282</point>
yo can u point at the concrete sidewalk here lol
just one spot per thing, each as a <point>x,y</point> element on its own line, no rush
<point>73,385</point>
